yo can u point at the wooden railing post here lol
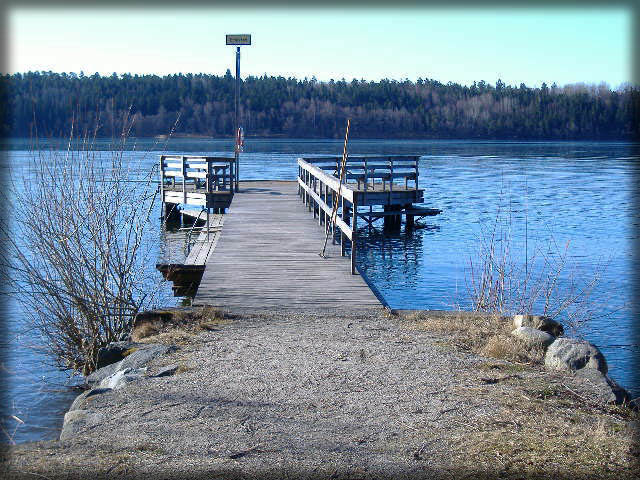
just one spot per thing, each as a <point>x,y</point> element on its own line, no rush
<point>184,179</point>
<point>310,185</point>
<point>320,211</point>
<point>366,174</point>
<point>342,235</point>
<point>391,179</point>
<point>417,175</point>
<point>162,186</point>
<point>354,234</point>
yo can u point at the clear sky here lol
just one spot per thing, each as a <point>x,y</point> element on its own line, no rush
<point>590,45</point>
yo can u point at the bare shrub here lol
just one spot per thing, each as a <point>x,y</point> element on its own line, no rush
<point>76,253</point>
<point>543,283</point>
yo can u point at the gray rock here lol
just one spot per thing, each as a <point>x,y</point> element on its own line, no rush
<point>600,388</point>
<point>145,354</point>
<point>136,359</point>
<point>77,421</point>
<point>571,354</point>
<point>122,377</point>
<point>167,371</point>
<point>546,324</point>
<point>114,352</point>
<point>81,400</point>
<point>102,373</point>
<point>533,337</point>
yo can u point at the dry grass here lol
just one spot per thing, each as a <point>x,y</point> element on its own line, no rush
<point>537,426</point>
<point>181,327</point>
<point>486,334</point>
<point>508,347</point>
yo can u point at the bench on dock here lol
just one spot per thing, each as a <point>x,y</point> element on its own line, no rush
<point>206,181</point>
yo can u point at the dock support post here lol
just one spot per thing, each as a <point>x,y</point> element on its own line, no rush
<point>320,211</point>
<point>410,221</point>
<point>387,219</point>
<point>354,234</point>
<point>171,214</point>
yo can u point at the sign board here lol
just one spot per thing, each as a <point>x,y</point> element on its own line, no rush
<point>239,39</point>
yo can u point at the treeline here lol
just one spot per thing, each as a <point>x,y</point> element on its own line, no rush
<point>47,103</point>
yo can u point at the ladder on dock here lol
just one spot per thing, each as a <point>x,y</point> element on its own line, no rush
<point>186,276</point>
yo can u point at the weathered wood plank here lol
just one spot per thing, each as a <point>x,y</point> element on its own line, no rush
<point>267,256</point>
<point>206,243</point>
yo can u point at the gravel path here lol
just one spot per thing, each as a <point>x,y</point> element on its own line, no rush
<point>345,395</point>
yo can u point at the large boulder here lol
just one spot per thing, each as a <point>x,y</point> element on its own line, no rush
<point>539,322</point>
<point>122,377</point>
<point>83,400</point>
<point>138,357</point>
<point>533,337</point>
<point>114,352</point>
<point>571,354</point>
<point>76,421</point>
<point>102,373</point>
<point>599,388</point>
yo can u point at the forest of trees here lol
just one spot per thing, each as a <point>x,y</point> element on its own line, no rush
<point>46,104</point>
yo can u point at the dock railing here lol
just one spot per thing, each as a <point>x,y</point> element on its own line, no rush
<point>187,174</point>
<point>370,171</point>
<point>368,181</point>
<point>320,192</point>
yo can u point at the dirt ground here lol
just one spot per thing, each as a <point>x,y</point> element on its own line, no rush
<point>338,395</point>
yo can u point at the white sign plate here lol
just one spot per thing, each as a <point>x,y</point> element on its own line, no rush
<point>239,39</point>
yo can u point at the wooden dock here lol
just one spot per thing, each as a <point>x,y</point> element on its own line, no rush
<point>267,257</point>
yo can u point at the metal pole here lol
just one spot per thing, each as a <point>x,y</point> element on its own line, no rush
<point>237,153</point>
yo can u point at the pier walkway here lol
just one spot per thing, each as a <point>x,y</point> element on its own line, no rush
<point>267,257</point>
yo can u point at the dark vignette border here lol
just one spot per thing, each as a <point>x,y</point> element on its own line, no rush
<point>633,5</point>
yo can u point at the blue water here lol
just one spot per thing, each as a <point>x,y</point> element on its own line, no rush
<point>545,197</point>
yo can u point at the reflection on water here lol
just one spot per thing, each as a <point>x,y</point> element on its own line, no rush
<point>553,193</point>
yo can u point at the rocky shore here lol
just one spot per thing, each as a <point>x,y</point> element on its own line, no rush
<point>343,395</point>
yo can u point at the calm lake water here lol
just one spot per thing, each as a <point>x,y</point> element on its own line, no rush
<point>546,195</point>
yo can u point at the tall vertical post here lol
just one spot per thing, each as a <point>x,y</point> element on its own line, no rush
<point>237,40</point>
<point>237,122</point>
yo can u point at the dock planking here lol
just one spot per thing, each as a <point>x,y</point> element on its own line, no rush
<point>267,258</point>
<point>206,242</point>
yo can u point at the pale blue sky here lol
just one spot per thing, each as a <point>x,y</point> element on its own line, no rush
<point>459,45</point>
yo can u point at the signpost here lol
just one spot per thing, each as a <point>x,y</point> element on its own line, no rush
<point>238,40</point>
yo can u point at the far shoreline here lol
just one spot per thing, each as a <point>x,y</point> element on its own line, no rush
<point>8,140</point>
